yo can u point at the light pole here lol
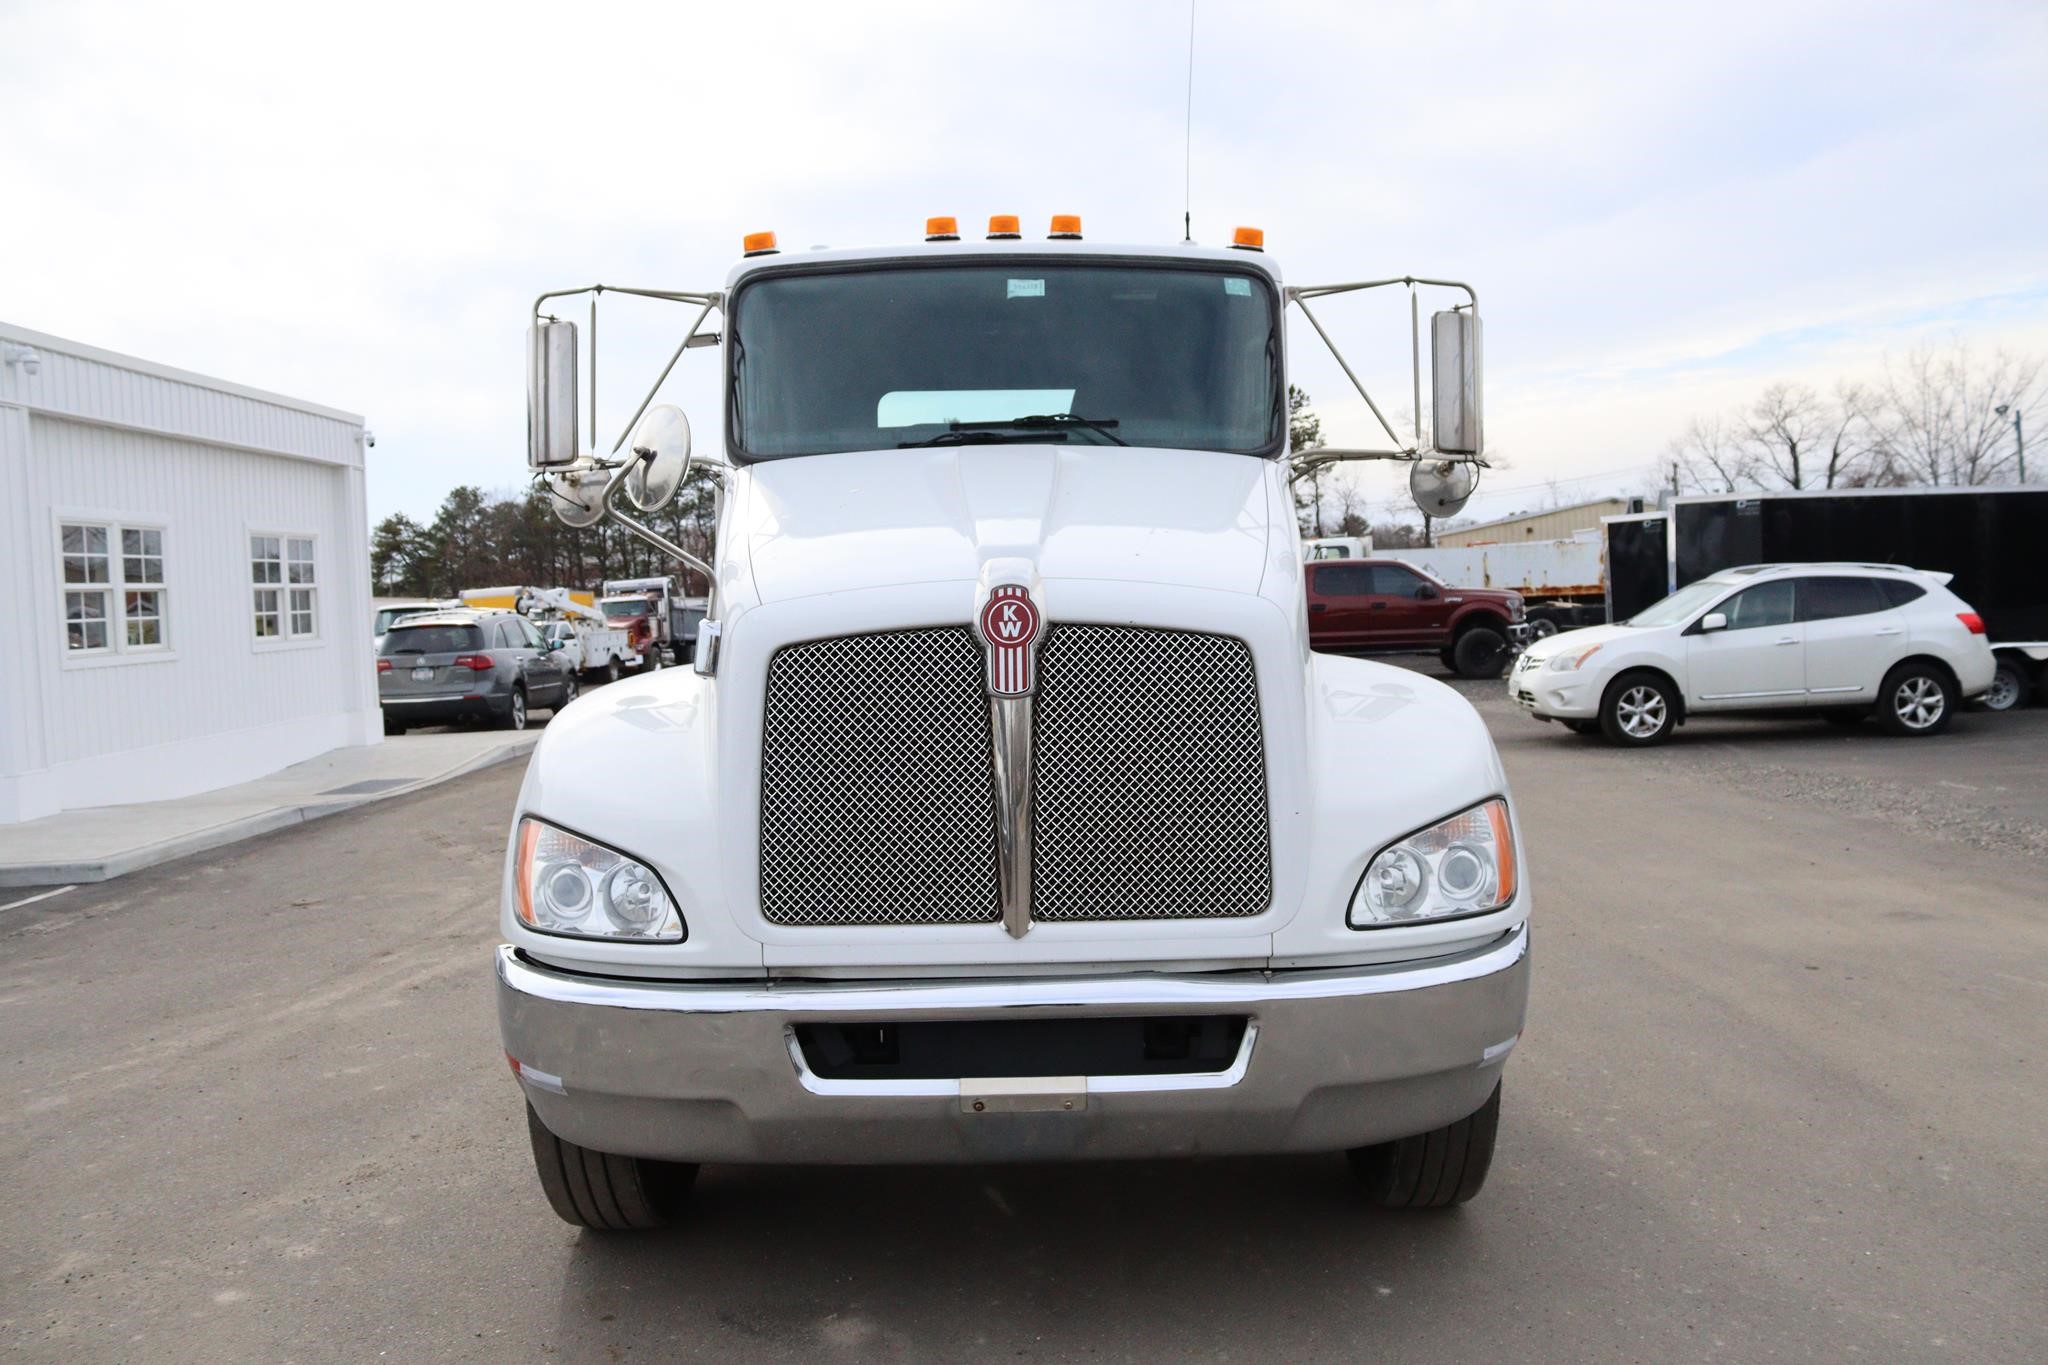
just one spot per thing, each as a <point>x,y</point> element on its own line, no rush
<point>2019,436</point>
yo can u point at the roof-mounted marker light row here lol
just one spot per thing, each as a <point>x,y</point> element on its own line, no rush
<point>1005,227</point>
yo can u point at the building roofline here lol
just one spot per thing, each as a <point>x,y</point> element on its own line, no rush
<point>1528,516</point>
<point>48,341</point>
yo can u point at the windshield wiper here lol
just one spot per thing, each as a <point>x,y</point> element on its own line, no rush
<point>972,436</point>
<point>1043,420</point>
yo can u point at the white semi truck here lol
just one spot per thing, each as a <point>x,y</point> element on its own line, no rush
<point>1005,813</point>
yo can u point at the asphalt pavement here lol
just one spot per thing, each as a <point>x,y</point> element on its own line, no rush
<point>1780,1098</point>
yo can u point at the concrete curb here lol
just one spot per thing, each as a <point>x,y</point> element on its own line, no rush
<point>234,831</point>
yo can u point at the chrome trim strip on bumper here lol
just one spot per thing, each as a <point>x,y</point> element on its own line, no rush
<point>1220,990</point>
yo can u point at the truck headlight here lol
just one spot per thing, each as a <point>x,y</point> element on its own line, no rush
<point>1461,866</point>
<point>568,885</point>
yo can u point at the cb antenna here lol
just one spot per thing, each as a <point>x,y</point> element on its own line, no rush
<point>1187,216</point>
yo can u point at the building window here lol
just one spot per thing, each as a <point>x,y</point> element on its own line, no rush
<point>286,587</point>
<point>142,576</point>
<point>113,603</point>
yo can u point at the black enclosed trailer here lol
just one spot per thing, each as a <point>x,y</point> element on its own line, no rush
<point>1635,563</point>
<point>1994,541</point>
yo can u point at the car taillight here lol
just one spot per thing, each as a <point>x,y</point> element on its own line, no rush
<point>383,665</point>
<point>1972,622</point>
<point>476,663</point>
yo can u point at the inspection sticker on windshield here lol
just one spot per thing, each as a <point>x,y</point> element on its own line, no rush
<point>1027,289</point>
<point>1235,286</point>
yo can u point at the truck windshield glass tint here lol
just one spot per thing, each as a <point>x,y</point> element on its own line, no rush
<point>868,360</point>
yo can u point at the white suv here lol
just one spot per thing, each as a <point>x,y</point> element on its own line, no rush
<point>1843,640</point>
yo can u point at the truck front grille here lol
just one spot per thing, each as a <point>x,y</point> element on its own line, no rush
<point>877,805</point>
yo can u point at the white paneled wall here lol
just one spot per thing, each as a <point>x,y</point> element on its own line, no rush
<point>99,438</point>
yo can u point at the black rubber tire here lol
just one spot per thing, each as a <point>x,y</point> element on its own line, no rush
<point>393,727</point>
<point>516,715</point>
<point>1622,689</point>
<point>2012,686</point>
<point>1846,717</point>
<point>570,687</point>
<point>612,671</point>
<point>1541,627</point>
<point>1481,652</point>
<point>650,661</point>
<point>1912,673</point>
<point>1431,1170</point>
<point>603,1192</point>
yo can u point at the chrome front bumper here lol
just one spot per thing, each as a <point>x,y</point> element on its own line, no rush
<point>1331,1059</point>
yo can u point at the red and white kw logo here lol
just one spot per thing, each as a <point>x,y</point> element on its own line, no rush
<point>1009,627</point>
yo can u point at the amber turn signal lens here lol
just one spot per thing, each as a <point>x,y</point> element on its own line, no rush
<point>757,243</point>
<point>1002,225</point>
<point>941,230</point>
<point>1250,238</point>
<point>1066,225</point>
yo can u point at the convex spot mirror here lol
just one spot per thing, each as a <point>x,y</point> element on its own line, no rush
<point>660,450</point>
<point>1714,620</point>
<point>1455,424</point>
<point>550,395</point>
<point>1440,487</point>
<point>577,494</point>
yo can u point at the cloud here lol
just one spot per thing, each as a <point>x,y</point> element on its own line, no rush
<point>1663,207</point>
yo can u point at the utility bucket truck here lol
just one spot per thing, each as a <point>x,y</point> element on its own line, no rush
<point>980,828</point>
<point>570,622</point>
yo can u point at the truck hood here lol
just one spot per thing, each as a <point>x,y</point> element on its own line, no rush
<point>831,523</point>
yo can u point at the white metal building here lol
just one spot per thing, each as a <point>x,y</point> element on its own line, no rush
<point>184,580</point>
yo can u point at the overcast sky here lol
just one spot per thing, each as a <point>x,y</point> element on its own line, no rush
<point>1664,207</point>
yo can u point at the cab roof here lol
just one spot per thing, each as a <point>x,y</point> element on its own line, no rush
<point>978,251</point>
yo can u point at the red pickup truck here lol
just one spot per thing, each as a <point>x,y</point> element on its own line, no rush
<point>1359,606</point>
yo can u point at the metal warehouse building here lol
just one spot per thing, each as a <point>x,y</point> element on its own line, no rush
<point>186,569</point>
<point>1556,523</point>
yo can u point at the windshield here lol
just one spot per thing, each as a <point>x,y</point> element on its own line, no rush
<point>1680,605</point>
<point>1014,350</point>
<point>626,610</point>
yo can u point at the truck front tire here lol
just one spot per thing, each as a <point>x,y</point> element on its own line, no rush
<point>1481,652</point>
<point>604,1192</point>
<point>1431,1170</point>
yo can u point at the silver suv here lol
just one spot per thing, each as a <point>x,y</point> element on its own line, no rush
<point>457,665</point>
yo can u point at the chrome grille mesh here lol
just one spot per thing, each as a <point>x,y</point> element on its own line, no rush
<point>877,805</point>
<point>1151,777</point>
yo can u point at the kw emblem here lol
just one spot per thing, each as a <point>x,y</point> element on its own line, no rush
<point>1010,626</point>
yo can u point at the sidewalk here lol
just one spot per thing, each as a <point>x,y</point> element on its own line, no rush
<point>109,841</point>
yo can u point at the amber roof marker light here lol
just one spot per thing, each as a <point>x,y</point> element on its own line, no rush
<point>1066,227</point>
<point>1005,227</point>
<point>942,229</point>
<point>1248,239</point>
<point>758,243</point>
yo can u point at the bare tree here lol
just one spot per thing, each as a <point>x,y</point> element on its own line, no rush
<point>1942,425</point>
<point>1855,435</point>
<point>1779,433</point>
<point>1711,458</point>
